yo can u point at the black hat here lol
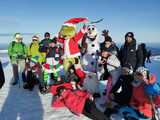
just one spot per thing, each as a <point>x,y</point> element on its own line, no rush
<point>47,34</point>
<point>130,34</point>
<point>108,39</point>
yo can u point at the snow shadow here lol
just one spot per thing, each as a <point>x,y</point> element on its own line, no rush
<point>5,64</point>
<point>22,104</point>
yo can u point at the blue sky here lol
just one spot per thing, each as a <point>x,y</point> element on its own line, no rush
<point>120,16</point>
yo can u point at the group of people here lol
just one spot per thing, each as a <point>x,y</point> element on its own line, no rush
<point>74,66</point>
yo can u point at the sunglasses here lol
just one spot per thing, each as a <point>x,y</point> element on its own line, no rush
<point>35,40</point>
<point>129,35</point>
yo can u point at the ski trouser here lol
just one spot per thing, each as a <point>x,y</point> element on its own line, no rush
<point>90,110</point>
<point>18,68</point>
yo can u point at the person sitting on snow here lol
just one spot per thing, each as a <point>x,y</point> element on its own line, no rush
<point>123,88</point>
<point>112,64</point>
<point>32,74</point>
<point>73,78</point>
<point>78,102</point>
<point>140,100</point>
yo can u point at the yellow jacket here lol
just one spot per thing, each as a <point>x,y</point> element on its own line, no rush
<point>33,50</point>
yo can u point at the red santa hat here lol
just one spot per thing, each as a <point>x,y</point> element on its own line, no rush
<point>73,21</point>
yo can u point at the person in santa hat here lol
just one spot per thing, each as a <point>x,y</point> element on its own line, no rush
<point>33,49</point>
<point>69,39</point>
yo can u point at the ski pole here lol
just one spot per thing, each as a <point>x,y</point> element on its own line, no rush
<point>156,112</point>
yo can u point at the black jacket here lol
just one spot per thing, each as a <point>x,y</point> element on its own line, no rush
<point>113,48</point>
<point>2,78</point>
<point>140,56</point>
<point>127,55</point>
<point>43,45</point>
<point>55,52</point>
<point>123,97</point>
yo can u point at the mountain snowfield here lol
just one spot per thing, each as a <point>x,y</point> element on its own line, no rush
<point>19,104</point>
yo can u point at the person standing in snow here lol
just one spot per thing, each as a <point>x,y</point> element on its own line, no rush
<point>33,49</point>
<point>123,88</point>
<point>44,44</point>
<point>17,52</point>
<point>53,66</point>
<point>140,56</point>
<point>2,77</point>
<point>144,53</point>
<point>149,53</point>
<point>127,53</point>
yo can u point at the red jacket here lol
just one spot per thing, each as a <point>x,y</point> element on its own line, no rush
<point>140,100</point>
<point>53,88</point>
<point>72,45</point>
<point>73,100</point>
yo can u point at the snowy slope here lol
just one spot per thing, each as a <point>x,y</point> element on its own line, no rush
<point>19,104</point>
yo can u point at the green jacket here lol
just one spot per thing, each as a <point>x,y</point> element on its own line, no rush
<point>17,50</point>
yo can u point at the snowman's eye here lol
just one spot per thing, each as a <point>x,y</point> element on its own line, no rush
<point>92,28</point>
<point>89,29</point>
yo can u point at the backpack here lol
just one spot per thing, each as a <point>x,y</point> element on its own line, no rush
<point>13,44</point>
<point>153,89</point>
<point>23,46</point>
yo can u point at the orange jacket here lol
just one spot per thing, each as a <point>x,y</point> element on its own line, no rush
<point>140,100</point>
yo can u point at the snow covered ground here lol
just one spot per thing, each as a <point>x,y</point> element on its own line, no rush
<point>19,104</point>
